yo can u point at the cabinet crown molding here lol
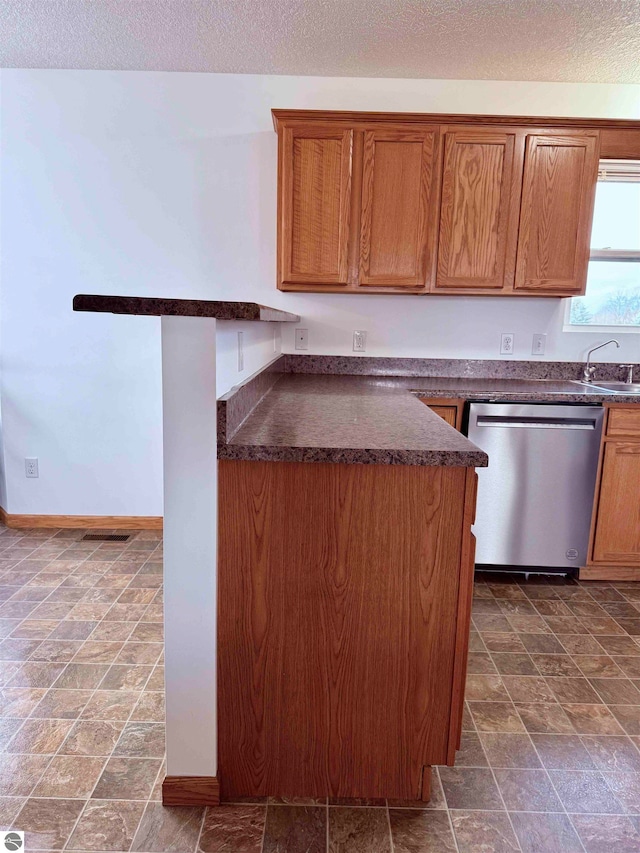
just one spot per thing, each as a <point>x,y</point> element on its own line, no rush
<point>350,116</point>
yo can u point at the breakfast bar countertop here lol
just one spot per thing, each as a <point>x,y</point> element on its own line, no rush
<point>216,309</point>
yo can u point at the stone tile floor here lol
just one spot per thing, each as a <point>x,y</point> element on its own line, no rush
<point>550,755</point>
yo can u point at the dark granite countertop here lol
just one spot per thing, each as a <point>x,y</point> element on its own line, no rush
<point>156,306</point>
<point>522,390</point>
<point>374,419</point>
<point>352,419</point>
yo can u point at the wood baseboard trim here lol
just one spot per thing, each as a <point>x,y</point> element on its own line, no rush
<point>609,573</point>
<point>191,791</point>
<point>99,522</point>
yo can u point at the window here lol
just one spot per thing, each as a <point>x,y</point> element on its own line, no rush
<point>613,281</point>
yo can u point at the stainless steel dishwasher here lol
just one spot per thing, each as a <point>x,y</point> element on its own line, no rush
<point>536,496</point>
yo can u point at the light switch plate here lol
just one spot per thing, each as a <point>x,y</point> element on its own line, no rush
<point>538,344</point>
<point>240,351</point>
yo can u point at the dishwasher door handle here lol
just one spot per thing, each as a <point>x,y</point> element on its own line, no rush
<point>535,423</point>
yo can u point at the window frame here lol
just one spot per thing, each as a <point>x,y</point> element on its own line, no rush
<point>615,171</point>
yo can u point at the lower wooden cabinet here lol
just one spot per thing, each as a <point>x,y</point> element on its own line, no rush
<point>617,530</point>
<point>614,552</point>
<point>449,409</point>
<point>344,603</point>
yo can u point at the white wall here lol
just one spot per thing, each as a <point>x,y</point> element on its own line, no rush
<point>164,184</point>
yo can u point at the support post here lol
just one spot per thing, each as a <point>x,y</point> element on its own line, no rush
<point>190,558</point>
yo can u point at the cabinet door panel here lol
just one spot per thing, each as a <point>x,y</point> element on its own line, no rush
<point>617,534</point>
<point>448,408</point>
<point>397,234</point>
<point>478,196</point>
<point>447,413</point>
<point>315,205</point>
<point>558,192</point>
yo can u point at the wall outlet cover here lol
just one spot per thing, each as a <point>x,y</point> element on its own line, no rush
<point>507,344</point>
<point>359,341</point>
<point>31,467</point>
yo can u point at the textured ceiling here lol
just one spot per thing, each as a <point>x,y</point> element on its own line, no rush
<point>563,40</point>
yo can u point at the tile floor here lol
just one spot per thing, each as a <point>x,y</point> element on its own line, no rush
<point>550,757</point>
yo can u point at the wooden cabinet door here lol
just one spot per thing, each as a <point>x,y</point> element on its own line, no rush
<point>478,211</point>
<point>558,192</point>
<point>617,530</point>
<point>397,215</point>
<point>314,204</point>
<point>447,413</point>
<point>450,409</point>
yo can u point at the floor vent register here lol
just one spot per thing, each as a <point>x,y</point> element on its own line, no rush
<point>106,537</point>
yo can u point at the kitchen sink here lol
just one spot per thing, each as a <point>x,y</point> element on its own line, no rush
<point>618,387</point>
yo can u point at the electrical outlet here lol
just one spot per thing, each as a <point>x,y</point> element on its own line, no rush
<point>31,467</point>
<point>507,343</point>
<point>538,345</point>
<point>240,351</point>
<point>275,337</point>
<point>302,338</point>
<point>359,341</point>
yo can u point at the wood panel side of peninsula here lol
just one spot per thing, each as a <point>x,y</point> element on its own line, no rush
<point>343,625</point>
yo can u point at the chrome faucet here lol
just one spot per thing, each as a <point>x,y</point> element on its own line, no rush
<point>629,368</point>
<point>588,371</point>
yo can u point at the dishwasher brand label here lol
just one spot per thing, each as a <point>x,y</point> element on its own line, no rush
<point>572,554</point>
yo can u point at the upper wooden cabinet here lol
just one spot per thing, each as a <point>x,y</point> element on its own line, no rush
<point>398,196</point>
<point>560,174</point>
<point>476,205</point>
<point>478,210</point>
<point>315,199</point>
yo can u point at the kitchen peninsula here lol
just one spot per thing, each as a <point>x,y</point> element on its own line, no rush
<point>344,577</point>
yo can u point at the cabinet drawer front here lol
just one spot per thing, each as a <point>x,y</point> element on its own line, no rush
<point>477,198</point>
<point>315,204</point>
<point>397,234</point>
<point>617,532</point>
<point>558,193</point>
<point>623,421</point>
